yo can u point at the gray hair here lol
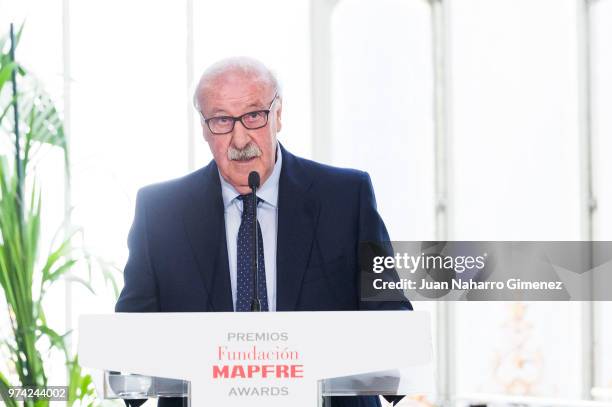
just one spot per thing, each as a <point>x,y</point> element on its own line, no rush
<point>246,65</point>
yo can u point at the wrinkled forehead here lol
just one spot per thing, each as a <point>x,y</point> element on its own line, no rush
<point>235,88</point>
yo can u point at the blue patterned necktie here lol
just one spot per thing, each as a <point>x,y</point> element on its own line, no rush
<point>244,292</point>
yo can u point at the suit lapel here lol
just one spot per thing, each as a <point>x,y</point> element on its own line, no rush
<point>204,222</point>
<point>297,218</point>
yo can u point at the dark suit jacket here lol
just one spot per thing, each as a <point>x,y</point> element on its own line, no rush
<point>178,252</point>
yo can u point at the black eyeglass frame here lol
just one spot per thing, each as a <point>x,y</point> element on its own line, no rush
<point>239,118</point>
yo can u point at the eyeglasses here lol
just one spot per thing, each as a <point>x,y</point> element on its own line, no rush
<point>251,120</point>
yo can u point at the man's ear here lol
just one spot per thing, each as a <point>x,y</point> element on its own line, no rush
<point>205,135</point>
<point>278,113</point>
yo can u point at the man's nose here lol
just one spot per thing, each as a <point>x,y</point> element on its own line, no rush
<point>240,135</point>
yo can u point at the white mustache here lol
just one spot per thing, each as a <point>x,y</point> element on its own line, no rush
<point>249,151</point>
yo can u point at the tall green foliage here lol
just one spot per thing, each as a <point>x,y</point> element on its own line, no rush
<point>25,274</point>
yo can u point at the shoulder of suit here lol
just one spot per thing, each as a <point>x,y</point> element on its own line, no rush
<point>328,174</point>
<point>173,188</point>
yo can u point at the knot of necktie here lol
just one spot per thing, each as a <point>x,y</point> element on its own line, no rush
<point>247,203</point>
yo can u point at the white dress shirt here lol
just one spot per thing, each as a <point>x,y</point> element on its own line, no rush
<point>267,215</point>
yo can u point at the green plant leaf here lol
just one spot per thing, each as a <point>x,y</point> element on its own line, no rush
<point>58,341</point>
<point>62,251</point>
<point>80,386</point>
<point>5,73</point>
<point>4,387</point>
<point>57,273</point>
<point>83,282</point>
<point>45,124</point>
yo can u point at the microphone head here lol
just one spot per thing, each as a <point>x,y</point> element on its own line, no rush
<point>254,180</point>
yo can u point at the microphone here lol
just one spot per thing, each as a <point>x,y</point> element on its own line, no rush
<point>254,185</point>
<point>254,180</point>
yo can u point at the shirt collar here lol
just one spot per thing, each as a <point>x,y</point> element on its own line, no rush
<point>268,191</point>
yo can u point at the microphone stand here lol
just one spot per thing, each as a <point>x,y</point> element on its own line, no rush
<point>256,302</point>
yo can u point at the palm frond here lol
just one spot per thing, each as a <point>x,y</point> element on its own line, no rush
<point>4,392</point>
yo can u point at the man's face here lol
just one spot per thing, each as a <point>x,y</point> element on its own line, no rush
<point>234,94</point>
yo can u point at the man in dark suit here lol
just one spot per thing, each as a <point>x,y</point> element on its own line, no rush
<point>188,244</point>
